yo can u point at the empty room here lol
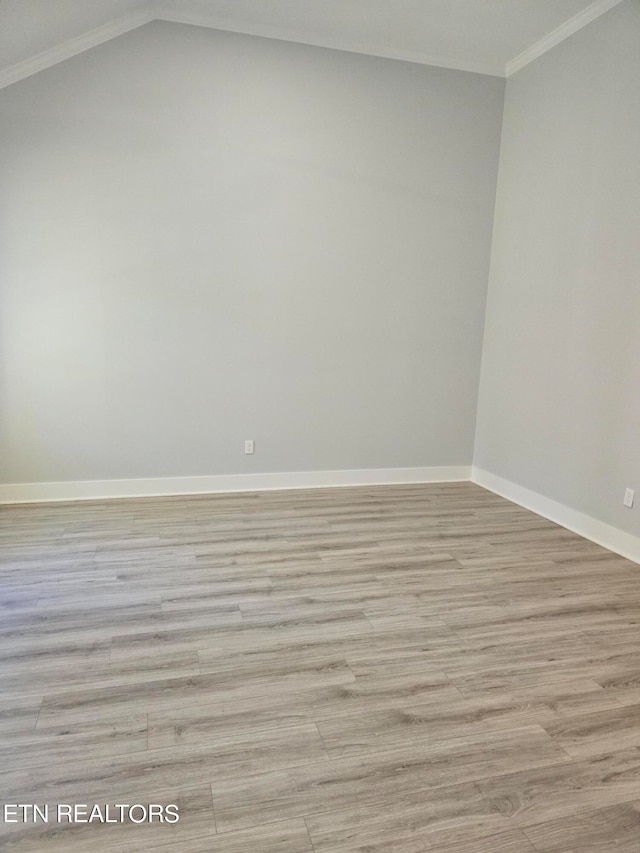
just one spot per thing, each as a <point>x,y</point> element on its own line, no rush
<point>319,426</point>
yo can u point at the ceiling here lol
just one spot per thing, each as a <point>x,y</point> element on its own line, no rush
<point>487,36</point>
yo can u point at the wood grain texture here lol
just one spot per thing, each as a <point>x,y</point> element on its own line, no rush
<point>616,828</point>
<point>394,669</point>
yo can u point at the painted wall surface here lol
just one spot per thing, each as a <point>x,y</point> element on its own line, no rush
<point>208,237</point>
<point>559,408</point>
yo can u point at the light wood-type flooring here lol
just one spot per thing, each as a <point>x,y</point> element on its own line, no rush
<point>395,669</point>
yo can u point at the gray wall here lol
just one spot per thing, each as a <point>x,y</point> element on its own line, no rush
<point>559,409</point>
<point>208,237</point>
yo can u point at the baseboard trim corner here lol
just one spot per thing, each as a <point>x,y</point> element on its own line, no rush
<point>609,537</point>
<point>166,486</point>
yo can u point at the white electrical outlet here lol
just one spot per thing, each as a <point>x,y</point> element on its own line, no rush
<point>629,495</point>
<point>249,446</point>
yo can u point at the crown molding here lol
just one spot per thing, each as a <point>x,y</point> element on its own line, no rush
<point>560,34</point>
<point>166,12</point>
<point>153,11</point>
<point>76,45</point>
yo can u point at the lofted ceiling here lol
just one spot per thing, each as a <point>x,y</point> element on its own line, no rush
<point>487,36</point>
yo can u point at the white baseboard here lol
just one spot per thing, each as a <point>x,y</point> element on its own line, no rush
<point>154,487</point>
<point>612,538</point>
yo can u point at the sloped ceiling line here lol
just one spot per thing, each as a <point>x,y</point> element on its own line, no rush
<point>167,11</point>
<point>560,34</point>
<point>117,27</point>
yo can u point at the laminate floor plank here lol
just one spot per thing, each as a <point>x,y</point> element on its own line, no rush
<point>290,836</point>
<point>419,820</point>
<point>300,791</point>
<point>196,826</point>
<point>376,730</point>
<point>383,669</point>
<point>60,745</point>
<point>555,792</point>
<point>599,733</point>
<point>136,773</point>
<point>18,716</point>
<point>616,828</point>
<point>281,709</point>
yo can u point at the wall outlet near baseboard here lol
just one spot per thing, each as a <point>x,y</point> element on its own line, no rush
<point>629,495</point>
<point>249,446</point>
